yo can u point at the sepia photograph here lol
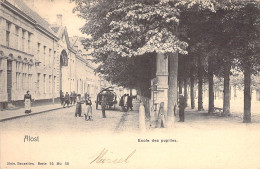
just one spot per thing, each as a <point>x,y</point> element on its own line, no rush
<point>123,84</point>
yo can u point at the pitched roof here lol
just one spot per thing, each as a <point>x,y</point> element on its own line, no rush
<point>19,4</point>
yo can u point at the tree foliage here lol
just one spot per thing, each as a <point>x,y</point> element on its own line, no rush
<point>124,31</point>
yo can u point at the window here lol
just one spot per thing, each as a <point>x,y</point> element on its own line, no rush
<point>17,80</point>
<point>8,25</point>
<point>23,39</point>
<point>44,84</point>
<point>50,86</point>
<point>54,57</point>
<point>29,42</point>
<point>38,51</point>
<point>44,53</point>
<point>54,84</point>
<point>29,81</point>
<point>23,81</point>
<point>50,61</point>
<point>16,37</point>
<point>38,83</point>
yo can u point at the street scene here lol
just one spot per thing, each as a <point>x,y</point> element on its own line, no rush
<point>130,84</point>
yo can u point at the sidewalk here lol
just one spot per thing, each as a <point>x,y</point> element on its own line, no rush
<point>17,113</point>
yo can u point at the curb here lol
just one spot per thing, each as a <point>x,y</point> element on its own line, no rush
<point>30,114</point>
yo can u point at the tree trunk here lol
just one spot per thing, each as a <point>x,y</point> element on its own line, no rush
<point>226,100</point>
<point>185,89</point>
<point>211,87</point>
<point>180,85</point>
<point>131,92</point>
<point>247,94</point>
<point>192,91</point>
<point>173,87</point>
<point>200,83</point>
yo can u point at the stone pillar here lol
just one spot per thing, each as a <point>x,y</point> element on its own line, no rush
<point>14,90</point>
<point>162,76</point>
<point>3,92</point>
<point>2,31</point>
<point>26,42</point>
<point>12,36</point>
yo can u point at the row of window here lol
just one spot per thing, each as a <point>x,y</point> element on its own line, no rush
<point>44,83</point>
<point>44,57</point>
<point>24,40</point>
<point>23,81</point>
<point>23,67</point>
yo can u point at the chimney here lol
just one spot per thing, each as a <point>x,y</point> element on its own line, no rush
<point>30,4</point>
<point>59,19</point>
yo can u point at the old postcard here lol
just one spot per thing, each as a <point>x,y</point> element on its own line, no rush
<point>89,84</point>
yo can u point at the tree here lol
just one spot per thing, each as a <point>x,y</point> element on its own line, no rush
<point>132,29</point>
<point>243,21</point>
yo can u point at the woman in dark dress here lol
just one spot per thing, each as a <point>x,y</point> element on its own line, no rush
<point>78,106</point>
<point>27,102</point>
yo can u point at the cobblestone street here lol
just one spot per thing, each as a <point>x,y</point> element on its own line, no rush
<point>64,120</point>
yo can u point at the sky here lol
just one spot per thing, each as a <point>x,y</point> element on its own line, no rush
<point>48,9</point>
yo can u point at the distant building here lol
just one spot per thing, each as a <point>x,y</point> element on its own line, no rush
<point>86,79</point>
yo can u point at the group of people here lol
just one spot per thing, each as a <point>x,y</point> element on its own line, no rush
<point>68,99</point>
<point>126,102</point>
<point>73,98</point>
<point>88,108</point>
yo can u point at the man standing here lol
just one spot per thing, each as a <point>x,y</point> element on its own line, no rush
<point>67,99</point>
<point>103,105</point>
<point>182,106</point>
<point>129,102</point>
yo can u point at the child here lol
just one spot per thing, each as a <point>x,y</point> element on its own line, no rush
<point>88,110</point>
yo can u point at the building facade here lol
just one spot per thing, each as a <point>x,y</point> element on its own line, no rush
<point>86,79</point>
<point>38,57</point>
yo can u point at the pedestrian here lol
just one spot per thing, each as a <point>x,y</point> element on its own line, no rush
<point>125,100</point>
<point>88,109</point>
<point>103,105</point>
<point>61,98</point>
<point>27,102</point>
<point>121,102</point>
<point>66,99</point>
<point>129,102</point>
<point>78,106</point>
<point>86,96</point>
<point>182,106</point>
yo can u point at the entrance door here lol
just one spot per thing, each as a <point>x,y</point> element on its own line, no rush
<point>9,80</point>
